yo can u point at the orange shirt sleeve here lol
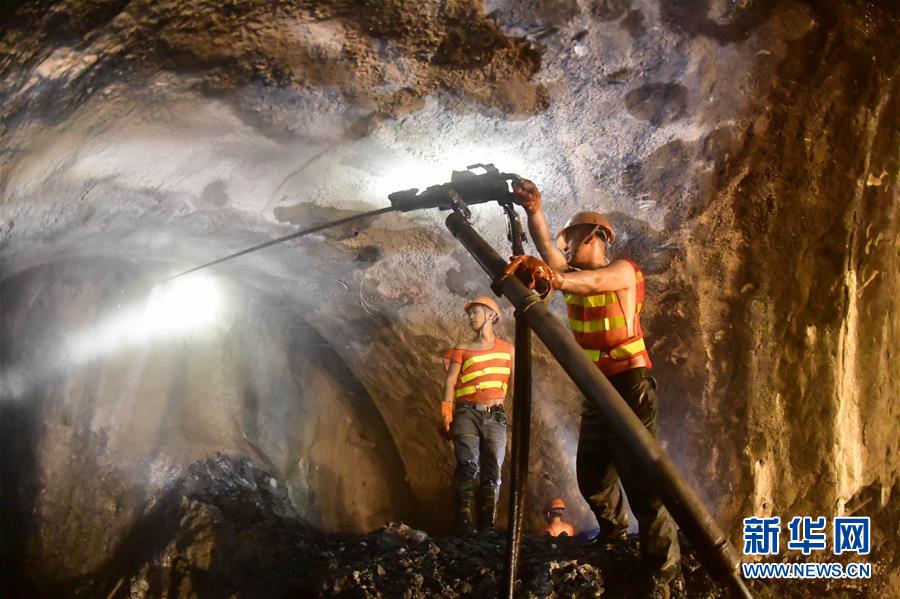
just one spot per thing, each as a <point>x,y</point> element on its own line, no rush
<point>454,355</point>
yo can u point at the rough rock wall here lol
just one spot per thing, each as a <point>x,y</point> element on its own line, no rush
<point>795,232</point>
<point>747,153</point>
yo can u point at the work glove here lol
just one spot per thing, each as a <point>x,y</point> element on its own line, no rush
<point>535,273</point>
<point>526,195</point>
<point>447,420</point>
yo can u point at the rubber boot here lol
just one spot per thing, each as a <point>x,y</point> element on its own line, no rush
<point>465,508</point>
<point>487,507</point>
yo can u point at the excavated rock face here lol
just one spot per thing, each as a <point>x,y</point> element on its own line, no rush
<point>746,153</point>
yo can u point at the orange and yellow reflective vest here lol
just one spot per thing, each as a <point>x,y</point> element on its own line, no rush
<point>484,376</point>
<point>599,325</point>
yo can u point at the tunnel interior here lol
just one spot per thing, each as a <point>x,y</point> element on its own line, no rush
<point>744,151</point>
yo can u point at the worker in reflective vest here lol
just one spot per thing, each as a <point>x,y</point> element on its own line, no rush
<point>553,514</point>
<point>603,302</point>
<point>478,375</point>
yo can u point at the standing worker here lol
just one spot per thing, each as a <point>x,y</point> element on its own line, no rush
<point>553,514</point>
<point>604,302</point>
<point>478,375</point>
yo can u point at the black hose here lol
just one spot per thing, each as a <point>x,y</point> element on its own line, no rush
<point>301,233</point>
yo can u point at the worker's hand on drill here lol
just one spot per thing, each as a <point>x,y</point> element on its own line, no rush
<point>535,273</point>
<point>526,195</point>
<point>446,420</point>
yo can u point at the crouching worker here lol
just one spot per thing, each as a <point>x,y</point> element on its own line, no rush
<point>478,375</point>
<point>553,514</point>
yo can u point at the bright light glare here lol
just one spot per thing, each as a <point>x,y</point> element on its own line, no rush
<point>180,305</point>
<point>175,308</point>
<point>415,174</point>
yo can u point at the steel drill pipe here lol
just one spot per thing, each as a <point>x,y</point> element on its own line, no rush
<point>521,435</point>
<point>714,550</point>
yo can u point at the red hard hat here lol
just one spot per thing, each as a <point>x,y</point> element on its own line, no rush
<point>585,218</point>
<point>556,504</point>
<point>484,301</point>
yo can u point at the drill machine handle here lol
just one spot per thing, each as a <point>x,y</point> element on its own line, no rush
<point>471,187</point>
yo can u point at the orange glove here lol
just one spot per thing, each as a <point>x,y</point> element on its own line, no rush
<point>447,418</point>
<point>526,195</point>
<point>534,272</point>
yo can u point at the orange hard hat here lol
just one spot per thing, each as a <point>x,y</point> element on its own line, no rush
<point>484,301</point>
<point>556,504</point>
<point>585,218</point>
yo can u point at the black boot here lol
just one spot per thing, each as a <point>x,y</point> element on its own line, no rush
<point>487,507</point>
<point>465,508</point>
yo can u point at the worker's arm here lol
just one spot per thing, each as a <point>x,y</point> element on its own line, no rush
<point>540,236</point>
<point>447,403</point>
<point>529,197</point>
<point>450,384</point>
<point>618,275</point>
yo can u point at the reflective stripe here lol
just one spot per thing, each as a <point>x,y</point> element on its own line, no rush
<point>619,353</point>
<point>485,385</point>
<point>477,373</point>
<point>597,326</point>
<point>595,354</point>
<point>485,358</point>
<point>628,350</point>
<point>591,301</point>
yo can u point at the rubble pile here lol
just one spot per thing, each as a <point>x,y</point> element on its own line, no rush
<point>228,528</point>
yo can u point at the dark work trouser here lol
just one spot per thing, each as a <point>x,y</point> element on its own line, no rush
<point>479,442</point>
<point>602,462</point>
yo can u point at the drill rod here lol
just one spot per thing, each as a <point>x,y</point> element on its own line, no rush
<point>521,431</point>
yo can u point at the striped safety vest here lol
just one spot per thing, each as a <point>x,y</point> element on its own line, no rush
<point>598,323</point>
<point>484,376</point>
